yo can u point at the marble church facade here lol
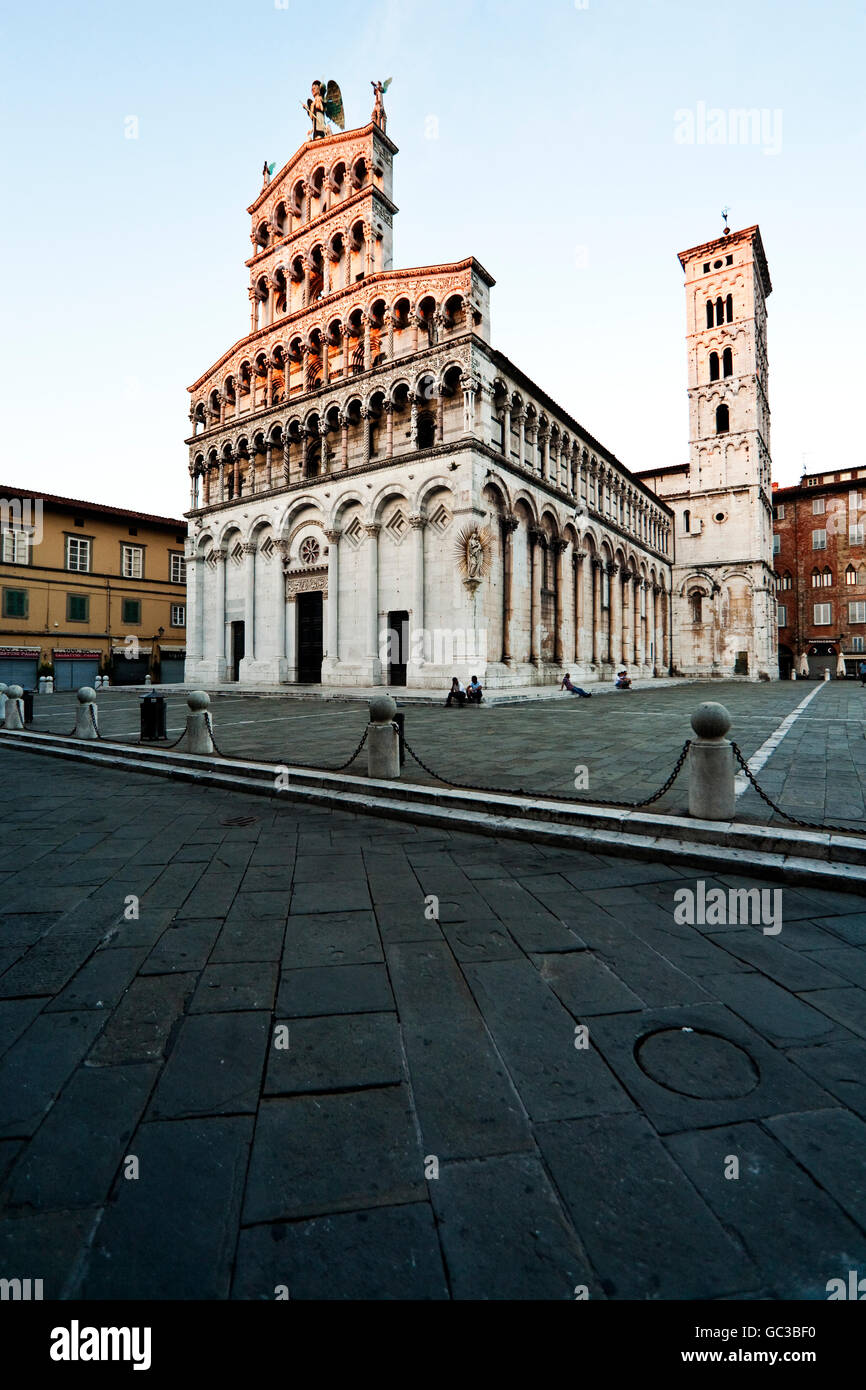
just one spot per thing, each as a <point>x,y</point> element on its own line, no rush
<point>379,496</point>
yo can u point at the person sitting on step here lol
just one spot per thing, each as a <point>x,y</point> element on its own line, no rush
<point>623,680</point>
<point>456,695</point>
<point>566,684</point>
<point>474,693</point>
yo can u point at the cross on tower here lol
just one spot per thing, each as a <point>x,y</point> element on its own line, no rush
<point>725,212</point>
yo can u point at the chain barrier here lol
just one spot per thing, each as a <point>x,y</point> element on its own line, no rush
<point>577,800</point>
<point>786,815</point>
<point>93,721</point>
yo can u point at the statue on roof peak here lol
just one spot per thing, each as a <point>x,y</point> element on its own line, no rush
<point>325,104</point>
<point>378,117</point>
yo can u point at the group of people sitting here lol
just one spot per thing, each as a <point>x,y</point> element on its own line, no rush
<point>622,682</point>
<point>472,695</point>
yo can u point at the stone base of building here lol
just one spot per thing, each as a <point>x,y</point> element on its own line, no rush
<point>425,675</point>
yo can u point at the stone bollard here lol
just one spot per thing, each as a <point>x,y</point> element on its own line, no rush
<point>383,740</point>
<point>14,714</point>
<point>793,674</point>
<point>826,674</point>
<point>198,739</point>
<point>85,726</point>
<point>711,764</point>
<point>3,689</point>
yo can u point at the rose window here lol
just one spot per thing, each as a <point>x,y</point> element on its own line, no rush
<point>310,551</point>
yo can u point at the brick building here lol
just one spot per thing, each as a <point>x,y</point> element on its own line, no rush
<point>820,563</point>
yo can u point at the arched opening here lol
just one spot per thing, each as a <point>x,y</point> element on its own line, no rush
<point>728,362</point>
<point>722,419</point>
<point>709,313</point>
<point>687,520</point>
<point>695,601</point>
<point>426,429</point>
<point>729,308</point>
<point>714,366</point>
<point>720,310</point>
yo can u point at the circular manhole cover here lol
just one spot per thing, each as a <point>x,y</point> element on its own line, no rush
<point>697,1064</point>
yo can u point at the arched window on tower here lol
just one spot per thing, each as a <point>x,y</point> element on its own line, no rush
<point>816,579</point>
<point>729,308</point>
<point>720,310</point>
<point>714,366</point>
<point>426,429</point>
<point>687,520</point>
<point>850,575</point>
<point>695,606</point>
<point>709,313</point>
<point>827,577</point>
<point>728,362</point>
<point>786,579</point>
<point>723,421</point>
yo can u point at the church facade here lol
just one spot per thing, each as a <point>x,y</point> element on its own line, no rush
<point>724,586</point>
<point>378,495</point>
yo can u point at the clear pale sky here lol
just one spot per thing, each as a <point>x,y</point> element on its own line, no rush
<point>554,161</point>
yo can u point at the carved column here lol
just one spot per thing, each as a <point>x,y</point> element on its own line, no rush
<point>614,616</point>
<point>326,362</point>
<point>269,465</point>
<point>413,425</point>
<point>347,360</point>
<point>222,405</point>
<point>365,426</point>
<point>470,386</point>
<point>367,350</point>
<point>323,436</point>
<point>220,613</point>
<point>440,416</point>
<point>333,653</point>
<point>254,311</point>
<point>236,475</point>
<point>521,436</point>
<point>206,485</point>
<point>192,486</point>
<point>222,481</point>
<point>416,637</point>
<point>508,525</point>
<point>389,325</point>
<point>388,408</point>
<point>506,430</point>
<point>626,594</point>
<point>536,565</point>
<point>579,600</point>
<point>287,460</point>
<point>597,566</point>
<point>559,548</point>
<point>372,529</point>
<point>544,438</point>
<point>638,622</point>
<point>249,550</point>
<point>344,439</point>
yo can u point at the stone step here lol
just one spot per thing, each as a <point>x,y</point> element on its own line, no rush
<point>774,851</point>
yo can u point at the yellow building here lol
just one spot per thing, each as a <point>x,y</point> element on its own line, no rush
<point>88,589</point>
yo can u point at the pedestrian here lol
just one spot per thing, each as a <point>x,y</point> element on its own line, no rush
<point>623,680</point>
<point>861,670</point>
<point>566,684</point>
<point>456,695</point>
<point>474,693</point>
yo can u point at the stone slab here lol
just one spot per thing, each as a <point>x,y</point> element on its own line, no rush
<point>831,1145</point>
<point>215,1066</point>
<point>331,938</point>
<point>34,1070</point>
<point>235,987</point>
<point>345,1052</point>
<point>140,1026</point>
<point>334,989</point>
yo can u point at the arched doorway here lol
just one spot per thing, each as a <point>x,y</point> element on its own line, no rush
<point>786,663</point>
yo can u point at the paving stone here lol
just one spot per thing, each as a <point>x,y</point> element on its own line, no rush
<point>101,982</point>
<point>645,1229</point>
<point>405,922</point>
<point>685,947</point>
<point>845,962</point>
<point>531,925</point>
<point>466,1102</point>
<point>334,989</point>
<point>259,907</point>
<point>47,1247</point>
<point>35,1068</point>
<point>184,946</point>
<point>215,1066</point>
<point>47,966</point>
<point>840,1068</point>
<point>272,878</point>
<point>791,969</point>
<point>337,1054</point>
<point>388,1253</point>
<point>143,931</point>
<point>323,868</point>
<point>850,926</point>
<point>479,940</point>
<point>191,1172</point>
<point>15,1016</point>
<point>174,885</point>
<point>846,1006</point>
<point>747,1079</point>
<point>504,1232</point>
<point>330,896</point>
<point>235,987</point>
<point>791,1229</point>
<point>24,928</point>
<point>831,1145</point>
<point>331,938</point>
<point>316,1155</point>
<point>778,1015</point>
<point>585,984</point>
<point>77,1150</point>
<point>9,1151</point>
<point>536,1037</point>
<point>139,1028</point>
<point>648,974</point>
<point>214,894</point>
<point>391,880</point>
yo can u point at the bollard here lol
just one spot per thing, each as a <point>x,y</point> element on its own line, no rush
<point>793,674</point>
<point>85,726</point>
<point>711,764</point>
<point>14,715</point>
<point>3,689</point>
<point>383,740</point>
<point>826,673</point>
<point>198,739</point>
<point>49,685</point>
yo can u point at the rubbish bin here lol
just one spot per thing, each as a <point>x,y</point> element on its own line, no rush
<point>28,706</point>
<point>152,718</point>
<point>400,721</point>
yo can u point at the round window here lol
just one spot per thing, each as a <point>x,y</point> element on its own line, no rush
<point>717,265</point>
<point>720,516</point>
<point>310,551</point>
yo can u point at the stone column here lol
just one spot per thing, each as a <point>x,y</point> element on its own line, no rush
<point>440,417</point>
<point>222,481</point>
<point>507,525</point>
<point>287,460</point>
<point>333,653</point>
<point>236,475</point>
<point>323,447</point>
<point>269,465</point>
<point>280,615</point>
<point>365,426</point>
<point>347,363</point>
<point>250,601</point>
<point>614,617</point>
<point>521,436</point>
<point>579,600</point>
<point>559,548</point>
<point>388,408</point>
<point>543,437</point>
<point>195,572</point>
<point>389,325</point>
<point>638,623</point>
<point>506,431</point>
<point>287,375</point>
<point>597,566</point>
<point>326,363</point>
<point>367,352</point>
<point>657,644</point>
<point>220,613</point>
<point>372,529</point>
<point>344,440</point>
<point>470,387</point>
<point>535,595</point>
<point>206,486</point>
<point>667,599</point>
<point>413,426</point>
<point>626,596</point>
<point>416,641</point>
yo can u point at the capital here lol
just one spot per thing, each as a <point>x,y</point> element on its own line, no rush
<point>333,537</point>
<point>417,522</point>
<point>611,568</point>
<point>508,523</point>
<point>372,529</point>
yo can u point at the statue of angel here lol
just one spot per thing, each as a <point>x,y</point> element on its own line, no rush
<point>378,117</point>
<point>325,104</point>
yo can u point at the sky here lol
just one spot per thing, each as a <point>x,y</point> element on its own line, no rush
<point>558,142</point>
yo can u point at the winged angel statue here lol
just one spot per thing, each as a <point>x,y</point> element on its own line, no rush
<point>326,104</point>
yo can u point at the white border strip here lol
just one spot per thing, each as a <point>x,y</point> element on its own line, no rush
<point>767,749</point>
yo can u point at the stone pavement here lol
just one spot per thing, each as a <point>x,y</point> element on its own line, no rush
<point>627,741</point>
<point>432,1127</point>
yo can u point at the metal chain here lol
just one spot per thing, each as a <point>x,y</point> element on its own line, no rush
<point>578,800</point>
<point>93,721</point>
<point>795,820</point>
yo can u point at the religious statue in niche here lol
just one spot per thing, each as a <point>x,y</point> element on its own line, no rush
<point>473,555</point>
<point>325,104</point>
<point>378,117</point>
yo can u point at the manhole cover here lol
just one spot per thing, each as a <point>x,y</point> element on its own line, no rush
<point>697,1064</point>
<point>240,820</point>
